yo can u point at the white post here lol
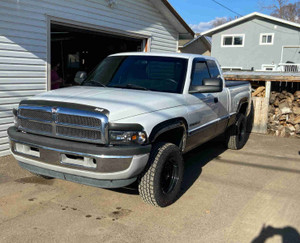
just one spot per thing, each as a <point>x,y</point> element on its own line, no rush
<point>268,89</point>
<point>281,58</point>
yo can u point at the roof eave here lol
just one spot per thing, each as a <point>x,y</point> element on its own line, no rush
<point>199,37</point>
<point>173,17</point>
<point>245,18</point>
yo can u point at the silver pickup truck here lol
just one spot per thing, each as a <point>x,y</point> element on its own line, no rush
<point>131,119</point>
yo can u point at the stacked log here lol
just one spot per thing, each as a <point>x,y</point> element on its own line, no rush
<point>284,114</point>
<point>259,92</point>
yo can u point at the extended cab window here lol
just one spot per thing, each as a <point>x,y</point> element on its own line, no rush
<point>163,74</point>
<point>213,69</point>
<point>200,72</point>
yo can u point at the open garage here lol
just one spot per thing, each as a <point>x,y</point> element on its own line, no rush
<point>77,49</point>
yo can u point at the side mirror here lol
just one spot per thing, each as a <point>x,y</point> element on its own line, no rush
<point>80,77</point>
<point>209,85</point>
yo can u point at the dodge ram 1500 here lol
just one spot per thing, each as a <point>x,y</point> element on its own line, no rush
<point>131,119</point>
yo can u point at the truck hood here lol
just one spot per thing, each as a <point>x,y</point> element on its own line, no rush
<point>121,103</point>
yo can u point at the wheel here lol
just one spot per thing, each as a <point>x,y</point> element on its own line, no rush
<point>159,185</point>
<point>236,135</point>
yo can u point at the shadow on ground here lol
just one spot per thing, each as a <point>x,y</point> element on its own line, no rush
<point>288,234</point>
<point>195,160</point>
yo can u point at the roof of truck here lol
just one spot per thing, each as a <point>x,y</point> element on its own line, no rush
<point>163,54</point>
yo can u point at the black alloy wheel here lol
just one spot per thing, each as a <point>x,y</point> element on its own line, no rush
<point>160,183</point>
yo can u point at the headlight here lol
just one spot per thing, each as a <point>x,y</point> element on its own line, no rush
<point>127,137</point>
<point>15,112</point>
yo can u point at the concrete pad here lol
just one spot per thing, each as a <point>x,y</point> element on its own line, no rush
<point>251,195</point>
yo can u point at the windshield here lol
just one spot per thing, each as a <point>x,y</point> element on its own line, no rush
<point>164,74</point>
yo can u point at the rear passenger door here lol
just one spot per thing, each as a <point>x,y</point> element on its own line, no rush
<point>222,96</point>
<point>222,104</point>
<point>203,107</point>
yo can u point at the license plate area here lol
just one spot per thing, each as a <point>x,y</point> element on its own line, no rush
<point>26,149</point>
<point>76,160</point>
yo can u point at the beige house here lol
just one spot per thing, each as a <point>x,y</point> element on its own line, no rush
<point>200,45</point>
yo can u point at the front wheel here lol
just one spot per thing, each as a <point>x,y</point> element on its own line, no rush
<point>160,184</point>
<point>236,135</point>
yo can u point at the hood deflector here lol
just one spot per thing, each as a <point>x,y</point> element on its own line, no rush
<point>66,105</point>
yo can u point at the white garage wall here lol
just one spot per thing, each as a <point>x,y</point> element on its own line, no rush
<point>23,41</point>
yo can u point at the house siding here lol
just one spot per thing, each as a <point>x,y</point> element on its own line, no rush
<point>23,41</point>
<point>253,54</point>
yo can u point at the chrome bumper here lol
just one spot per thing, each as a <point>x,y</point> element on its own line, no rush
<point>137,164</point>
<point>100,163</point>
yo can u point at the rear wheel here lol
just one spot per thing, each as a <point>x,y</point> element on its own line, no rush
<point>236,134</point>
<point>160,184</point>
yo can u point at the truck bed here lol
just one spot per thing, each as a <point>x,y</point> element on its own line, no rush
<point>230,83</point>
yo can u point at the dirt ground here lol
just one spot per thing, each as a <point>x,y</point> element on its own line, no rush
<point>251,195</point>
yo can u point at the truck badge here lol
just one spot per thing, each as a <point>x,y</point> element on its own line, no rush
<point>53,109</point>
<point>99,109</point>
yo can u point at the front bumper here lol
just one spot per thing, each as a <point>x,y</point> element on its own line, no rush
<point>115,166</point>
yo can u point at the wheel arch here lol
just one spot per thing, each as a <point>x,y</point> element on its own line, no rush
<point>243,106</point>
<point>166,132</point>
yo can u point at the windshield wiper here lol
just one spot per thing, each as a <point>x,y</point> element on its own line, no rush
<point>93,82</point>
<point>135,86</point>
<point>130,86</point>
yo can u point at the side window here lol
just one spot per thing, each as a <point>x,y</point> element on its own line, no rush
<point>266,39</point>
<point>213,69</point>
<point>200,72</point>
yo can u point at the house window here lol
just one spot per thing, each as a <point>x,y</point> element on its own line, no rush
<point>233,40</point>
<point>266,39</point>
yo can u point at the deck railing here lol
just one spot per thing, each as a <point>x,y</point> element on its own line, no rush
<point>289,67</point>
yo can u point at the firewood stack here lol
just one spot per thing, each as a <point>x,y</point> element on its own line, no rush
<point>284,114</point>
<point>259,92</point>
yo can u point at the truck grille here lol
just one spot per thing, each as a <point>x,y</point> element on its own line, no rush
<point>36,126</point>
<point>36,114</point>
<point>79,133</point>
<point>78,120</point>
<point>63,123</point>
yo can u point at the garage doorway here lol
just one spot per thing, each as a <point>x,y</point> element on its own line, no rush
<point>74,49</point>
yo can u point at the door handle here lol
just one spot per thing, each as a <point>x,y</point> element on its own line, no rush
<point>216,100</point>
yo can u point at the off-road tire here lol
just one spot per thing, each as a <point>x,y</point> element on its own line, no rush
<point>152,182</point>
<point>236,135</point>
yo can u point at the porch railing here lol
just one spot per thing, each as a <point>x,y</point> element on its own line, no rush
<point>289,67</point>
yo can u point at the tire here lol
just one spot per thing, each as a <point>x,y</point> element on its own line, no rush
<point>236,135</point>
<point>160,183</point>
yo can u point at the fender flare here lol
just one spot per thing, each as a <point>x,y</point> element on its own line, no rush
<point>167,126</point>
<point>242,101</point>
<point>232,119</point>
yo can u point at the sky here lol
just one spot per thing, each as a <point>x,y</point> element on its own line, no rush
<point>199,14</point>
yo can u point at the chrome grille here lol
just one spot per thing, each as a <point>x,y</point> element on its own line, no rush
<point>36,126</point>
<point>64,123</point>
<point>78,133</point>
<point>36,114</point>
<point>78,120</point>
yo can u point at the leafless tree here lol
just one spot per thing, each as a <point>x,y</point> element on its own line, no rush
<point>220,21</point>
<point>283,9</point>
